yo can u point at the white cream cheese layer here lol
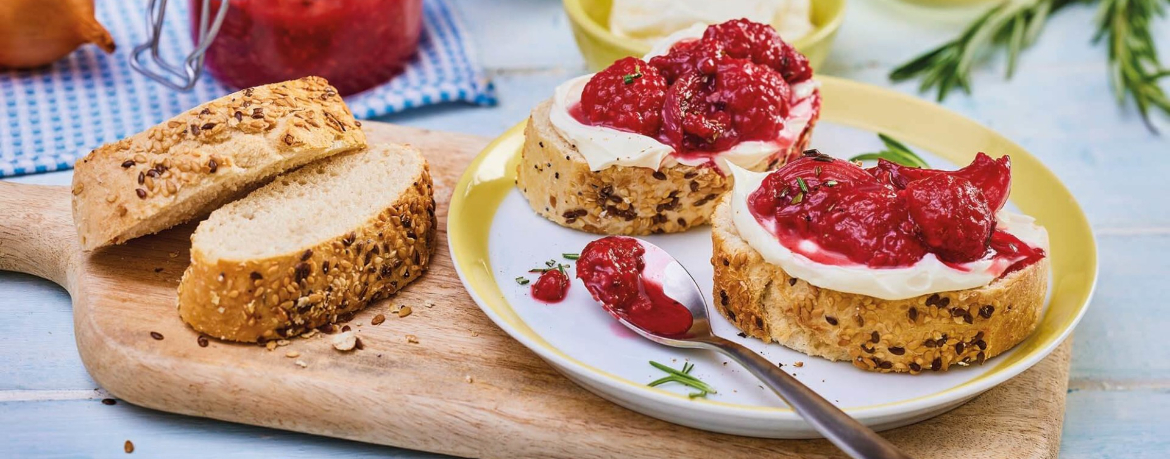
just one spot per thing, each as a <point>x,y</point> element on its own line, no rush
<point>650,20</point>
<point>605,147</point>
<point>928,275</point>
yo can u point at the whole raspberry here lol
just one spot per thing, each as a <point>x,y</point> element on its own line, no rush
<point>741,101</point>
<point>744,39</point>
<point>691,56</point>
<point>953,217</point>
<point>627,95</point>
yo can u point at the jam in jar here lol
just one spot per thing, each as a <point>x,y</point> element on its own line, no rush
<point>355,44</point>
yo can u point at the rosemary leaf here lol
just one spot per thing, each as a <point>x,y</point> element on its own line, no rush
<point>1134,69</point>
<point>682,377</point>
<point>895,151</point>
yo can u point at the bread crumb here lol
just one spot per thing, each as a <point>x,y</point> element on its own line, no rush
<point>282,342</point>
<point>309,334</point>
<point>405,311</point>
<point>302,364</point>
<point>469,379</point>
<point>412,339</point>
<point>128,447</point>
<point>292,354</point>
<point>378,319</point>
<point>394,309</point>
<point>798,364</point>
<point>271,345</point>
<point>345,341</point>
<point>429,304</point>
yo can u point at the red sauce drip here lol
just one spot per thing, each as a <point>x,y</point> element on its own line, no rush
<point>890,215</point>
<point>551,287</point>
<point>354,44</point>
<point>615,272</point>
<point>705,95</point>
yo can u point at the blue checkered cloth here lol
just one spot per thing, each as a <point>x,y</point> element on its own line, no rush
<point>53,116</point>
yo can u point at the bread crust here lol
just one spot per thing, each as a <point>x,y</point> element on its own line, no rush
<point>557,181</point>
<point>205,157</point>
<point>286,295</point>
<point>928,332</point>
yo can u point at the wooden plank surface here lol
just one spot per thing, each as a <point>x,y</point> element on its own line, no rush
<point>465,388</point>
<point>1056,106</point>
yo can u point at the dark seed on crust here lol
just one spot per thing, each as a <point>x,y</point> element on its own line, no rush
<point>726,262</point>
<point>156,335</point>
<point>141,178</point>
<point>915,367</point>
<point>308,253</point>
<point>875,337</point>
<point>886,365</point>
<point>956,312</point>
<point>831,320</point>
<point>127,163</point>
<point>936,364</point>
<point>694,186</point>
<point>690,175</point>
<point>982,345</point>
<point>932,300</point>
<point>944,302</point>
<point>212,166</point>
<point>929,343</point>
<point>980,357</point>
<point>967,317</point>
<point>913,314</point>
<point>302,271</point>
<point>959,347</point>
<point>140,192</point>
<point>682,221</point>
<point>659,175</point>
<point>986,311</point>
<point>978,336</point>
<point>723,299</point>
<point>792,281</point>
<point>255,276</point>
<point>897,350</point>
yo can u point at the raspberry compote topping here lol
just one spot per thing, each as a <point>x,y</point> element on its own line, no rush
<point>891,215</point>
<point>705,95</point>
<point>551,287</point>
<point>617,273</point>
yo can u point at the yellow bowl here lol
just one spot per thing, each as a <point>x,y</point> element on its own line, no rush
<point>590,19</point>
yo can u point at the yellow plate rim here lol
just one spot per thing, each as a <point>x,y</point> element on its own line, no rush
<point>490,176</point>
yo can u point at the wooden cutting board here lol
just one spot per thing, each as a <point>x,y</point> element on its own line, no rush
<point>465,388</point>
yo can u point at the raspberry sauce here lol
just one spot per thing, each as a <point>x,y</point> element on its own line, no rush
<point>705,95</point>
<point>889,216</point>
<point>551,287</point>
<point>616,272</point>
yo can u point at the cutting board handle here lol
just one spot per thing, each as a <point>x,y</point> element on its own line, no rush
<point>36,230</point>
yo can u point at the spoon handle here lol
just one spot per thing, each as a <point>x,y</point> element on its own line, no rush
<point>852,437</point>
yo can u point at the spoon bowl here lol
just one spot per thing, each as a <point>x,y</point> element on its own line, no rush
<point>854,438</point>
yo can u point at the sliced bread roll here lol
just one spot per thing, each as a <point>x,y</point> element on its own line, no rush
<point>313,246</point>
<point>926,333</point>
<point>559,185</point>
<point>207,156</point>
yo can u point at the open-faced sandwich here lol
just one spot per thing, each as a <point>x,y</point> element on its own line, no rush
<point>644,146</point>
<point>894,268</point>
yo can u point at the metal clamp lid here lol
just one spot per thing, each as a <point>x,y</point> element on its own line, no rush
<point>183,77</point>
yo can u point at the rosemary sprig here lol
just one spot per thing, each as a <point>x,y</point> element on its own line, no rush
<point>522,280</point>
<point>895,152</point>
<point>682,377</point>
<point>1134,69</point>
<point>550,266</point>
<point>1011,26</point>
<point>571,256</point>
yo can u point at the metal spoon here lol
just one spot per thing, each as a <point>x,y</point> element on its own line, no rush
<point>852,437</point>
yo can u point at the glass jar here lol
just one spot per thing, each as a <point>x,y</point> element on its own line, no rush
<point>355,44</point>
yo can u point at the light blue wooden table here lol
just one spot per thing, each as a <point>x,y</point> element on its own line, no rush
<point>1058,107</point>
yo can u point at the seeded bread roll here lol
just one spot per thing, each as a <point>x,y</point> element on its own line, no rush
<point>205,157</point>
<point>929,332</point>
<point>559,186</point>
<point>313,246</point>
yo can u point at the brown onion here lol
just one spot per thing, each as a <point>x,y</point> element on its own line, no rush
<point>37,32</point>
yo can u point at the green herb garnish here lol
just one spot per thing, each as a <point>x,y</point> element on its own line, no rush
<point>521,280</point>
<point>830,183</point>
<point>1134,68</point>
<point>630,77</point>
<point>571,256</point>
<point>682,377</point>
<point>895,152</point>
<point>797,199</point>
<point>802,185</point>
